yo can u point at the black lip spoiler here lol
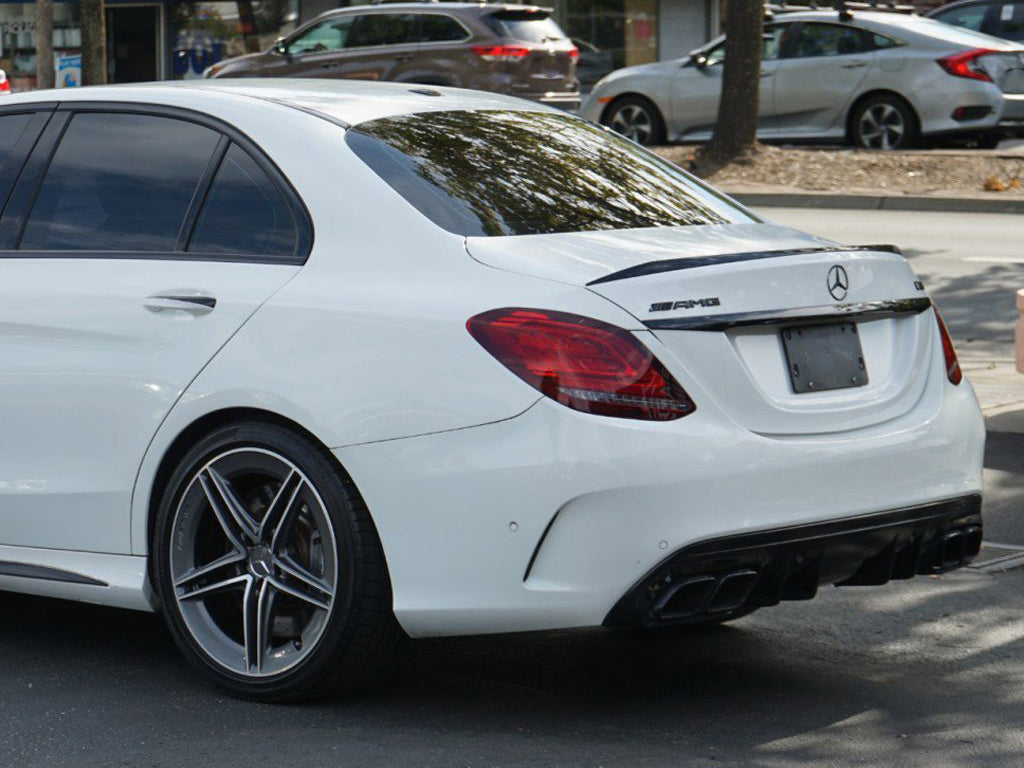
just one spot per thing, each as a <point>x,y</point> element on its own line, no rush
<point>861,311</point>
<point>695,262</point>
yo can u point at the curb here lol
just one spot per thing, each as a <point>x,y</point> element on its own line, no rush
<point>876,202</point>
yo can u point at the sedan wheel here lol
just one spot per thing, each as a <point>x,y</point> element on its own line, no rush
<point>254,563</point>
<point>636,119</point>
<point>261,564</point>
<point>884,123</point>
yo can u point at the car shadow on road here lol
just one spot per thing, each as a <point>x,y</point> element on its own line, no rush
<point>923,673</point>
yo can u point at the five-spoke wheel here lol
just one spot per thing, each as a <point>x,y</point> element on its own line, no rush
<point>266,561</point>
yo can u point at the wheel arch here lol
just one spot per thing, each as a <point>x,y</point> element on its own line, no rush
<point>879,92</point>
<point>204,424</point>
<point>630,94</point>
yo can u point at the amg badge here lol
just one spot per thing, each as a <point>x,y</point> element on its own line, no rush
<point>665,306</point>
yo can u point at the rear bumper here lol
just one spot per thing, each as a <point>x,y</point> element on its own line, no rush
<point>728,576</point>
<point>546,520</point>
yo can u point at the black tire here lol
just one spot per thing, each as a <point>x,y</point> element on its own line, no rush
<point>637,119</point>
<point>884,122</point>
<point>357,631</point>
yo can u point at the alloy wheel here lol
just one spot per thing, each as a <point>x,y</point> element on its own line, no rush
<point>882,126</point>
<point>633,122</point>
<point>253,562</point>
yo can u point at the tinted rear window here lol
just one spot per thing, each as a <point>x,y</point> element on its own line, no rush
<point>11,128</point>
<point>119,182</point>
<point>526,173</point>
<point>244,212</point>
<point>527,26</point>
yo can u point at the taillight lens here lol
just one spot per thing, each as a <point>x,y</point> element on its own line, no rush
<point>500,52</point>
<point>582,363</point>
<point>953,371</point>
<point>574,53</point>
<point>966,64</point>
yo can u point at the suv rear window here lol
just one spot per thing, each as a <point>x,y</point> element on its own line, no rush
<point>496,172</point>
<point>527,26</point>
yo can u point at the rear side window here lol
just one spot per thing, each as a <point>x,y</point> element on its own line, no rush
<point>496,172</point>
<point>817,40</point>
<point>1010,21</point>
<point>441,29</point>
<point>383,29</point>
<point>526,26</point>
<point>970,17</point>
<point>119,182</point>
<point>244,213</point>
<point>11,129</point>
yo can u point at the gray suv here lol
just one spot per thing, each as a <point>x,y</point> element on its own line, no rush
<point>513,49</point>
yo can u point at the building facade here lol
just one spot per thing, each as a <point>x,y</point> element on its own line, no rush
<point>175,39</point>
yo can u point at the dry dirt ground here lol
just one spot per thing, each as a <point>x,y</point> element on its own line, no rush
<point>942,172</point>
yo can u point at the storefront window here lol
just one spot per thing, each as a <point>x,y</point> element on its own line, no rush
<point>205,33</point>
<point>18,40</point>
<point>610,34</point>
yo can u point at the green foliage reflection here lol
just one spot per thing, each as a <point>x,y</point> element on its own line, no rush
<point>521,173</point>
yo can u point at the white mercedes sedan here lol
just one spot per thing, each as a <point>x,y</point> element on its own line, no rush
<point>307,366</point>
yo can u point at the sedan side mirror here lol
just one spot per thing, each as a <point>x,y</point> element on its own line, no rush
<point>699,59</point>
<point>280,46</point>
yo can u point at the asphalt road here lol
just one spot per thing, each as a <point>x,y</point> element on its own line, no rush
<point>927,673</point>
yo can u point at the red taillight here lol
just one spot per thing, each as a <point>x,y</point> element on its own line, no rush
<point>574,53</point>
<point>953,371</point>
<point>966,64</point>
<point>5,86</point>
<point>582,363</point>
<point>500,52</point>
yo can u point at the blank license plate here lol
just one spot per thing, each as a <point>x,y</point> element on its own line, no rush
<point>824,357</point>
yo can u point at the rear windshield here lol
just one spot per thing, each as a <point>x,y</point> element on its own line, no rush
<point>501,172</point>
<point>527,26</point>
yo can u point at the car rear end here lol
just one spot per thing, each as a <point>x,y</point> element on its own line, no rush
<point>962,82</point>
<point>728,414</point>
<point>525,53</point>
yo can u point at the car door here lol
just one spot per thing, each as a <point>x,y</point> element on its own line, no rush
<point>379,46</point>
<point>312,52</point>
<point>697,87</point>
<point>444,56</point>
<point>117,287</point>
<point>818,76</point>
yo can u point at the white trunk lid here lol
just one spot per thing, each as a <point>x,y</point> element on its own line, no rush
<point>720,297</point>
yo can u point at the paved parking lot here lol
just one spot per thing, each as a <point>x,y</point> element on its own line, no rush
<point>925,673</point>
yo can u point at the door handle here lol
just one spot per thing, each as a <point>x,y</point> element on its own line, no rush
<point>855,65</point>
<point>403,57</point>
<point>190,302</point>
<point>766,74</point>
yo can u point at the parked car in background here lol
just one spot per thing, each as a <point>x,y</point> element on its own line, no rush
<point>5,84</point>
<point>999,18</point>
<point>512,49</point>
<point>877,80</point>
<point>593,63</point>
<point>1003,19</point>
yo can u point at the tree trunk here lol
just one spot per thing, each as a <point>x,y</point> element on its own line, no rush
<point>94,42</point>
<point>44,44</point>
<point>735,134</point>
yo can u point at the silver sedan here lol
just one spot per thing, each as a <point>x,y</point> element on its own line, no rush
<point>877,80</point>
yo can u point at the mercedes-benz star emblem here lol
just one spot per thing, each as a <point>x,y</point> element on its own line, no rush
<point>838,283</point>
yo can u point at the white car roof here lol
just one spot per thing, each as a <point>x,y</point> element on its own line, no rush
<point>345,101</point>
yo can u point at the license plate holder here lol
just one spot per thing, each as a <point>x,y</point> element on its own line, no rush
<point>824,357</point>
